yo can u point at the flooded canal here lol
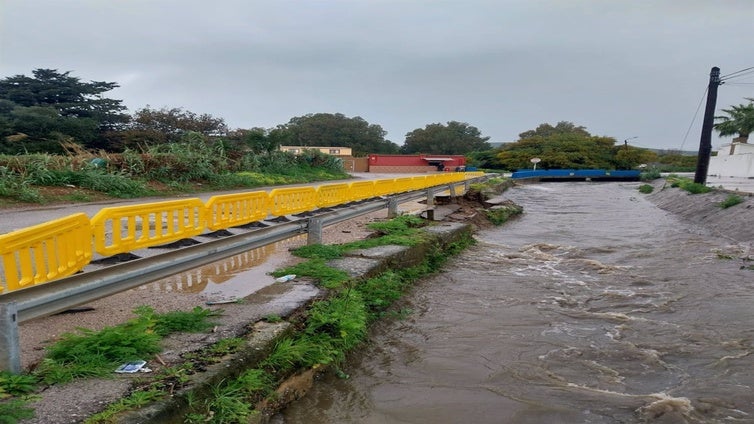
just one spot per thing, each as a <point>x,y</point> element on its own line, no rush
<point>593,307</point>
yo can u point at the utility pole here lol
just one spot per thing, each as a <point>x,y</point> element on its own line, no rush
<point>705,141</point>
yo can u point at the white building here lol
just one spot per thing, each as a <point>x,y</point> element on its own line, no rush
<point>735,159</point>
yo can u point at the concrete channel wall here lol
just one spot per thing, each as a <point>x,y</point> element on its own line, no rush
<point>241,320</point>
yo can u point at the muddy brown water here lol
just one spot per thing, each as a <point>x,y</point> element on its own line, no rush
<point>594,306</point>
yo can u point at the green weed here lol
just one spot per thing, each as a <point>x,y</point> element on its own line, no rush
<point>89,353</point>
<point>228,405</point>
<point>688,185</point>
<point>501,214</point>
<point>646,188</point>
<point>321,251</point>
<point>380,292</point>
<point>402,225</point>
<point>137,399</point>
<point>14,410</point>
<point>731,200</point>
<point>16,384</point>
<point>194,321</point>
<point>226,346</point>
<point>316,268</point>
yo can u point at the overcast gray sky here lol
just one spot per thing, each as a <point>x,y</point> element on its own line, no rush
<point>621,68</point>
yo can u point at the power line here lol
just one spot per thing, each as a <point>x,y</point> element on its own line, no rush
<point>746,71</point>
<point>694,118</point>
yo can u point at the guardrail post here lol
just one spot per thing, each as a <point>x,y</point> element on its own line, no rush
<point>314,231</point>
<point>10,356</point>
<point>466,185</point>
<point>392,207</point>
<point>452,188</point>
<point>430,197</point>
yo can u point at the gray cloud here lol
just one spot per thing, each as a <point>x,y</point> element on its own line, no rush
<point>621,68</point>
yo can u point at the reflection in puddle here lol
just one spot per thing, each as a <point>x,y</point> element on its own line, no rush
<point>233,277</point>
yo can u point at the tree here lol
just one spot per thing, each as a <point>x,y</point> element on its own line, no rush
<point>256,140</point>
<point>567,146</point>
<point>547,130</point>
<point>740,120</point>
<point>170,124</point>
<point>327,129</point>
<point>40,111</point>
<point>68,95</point>
<point>455,138</point>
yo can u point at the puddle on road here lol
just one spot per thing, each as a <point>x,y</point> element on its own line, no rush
<point>232,278</point>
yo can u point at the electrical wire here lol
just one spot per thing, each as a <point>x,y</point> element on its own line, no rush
<point>743,72</point>
<point>694,118</point>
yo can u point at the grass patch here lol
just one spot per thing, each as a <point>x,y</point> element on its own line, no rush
<point>646,188</point>
<point>731,200</point>
<point>317,269</point>
<point>91,354</point>
<point>499,215</point>
<point>194,321</point>
<point>14,410</point>
<point>137,399</point>
<point>688,185</point>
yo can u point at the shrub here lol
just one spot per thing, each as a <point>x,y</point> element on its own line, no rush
<point>646,189</point>
<point>731,200</point>
<point>650,174</point>
<point>500,214</point>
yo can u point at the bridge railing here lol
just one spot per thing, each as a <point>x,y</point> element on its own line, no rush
<point>62,247</point>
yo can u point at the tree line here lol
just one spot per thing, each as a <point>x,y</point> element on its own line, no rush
<point>45,111</point>
<point>48,110</point>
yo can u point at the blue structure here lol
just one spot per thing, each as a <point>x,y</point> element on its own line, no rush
<point>577,175</point>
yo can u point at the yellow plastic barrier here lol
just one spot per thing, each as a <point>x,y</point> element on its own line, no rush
<point>435,179</point>
<point>403,184</point>
<point>361,190</point>
<point>45,252</point>
<point>149,224</point>
<point>332,194</point>
<point>291,200</point>
<point>418,183</point>
<point>384,187</point>
<point>230,210</point>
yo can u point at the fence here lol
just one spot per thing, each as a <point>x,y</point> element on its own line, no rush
<point>59,248</point>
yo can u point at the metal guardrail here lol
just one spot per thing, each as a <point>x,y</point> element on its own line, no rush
<point>47,299</point>
<point>28,259</point>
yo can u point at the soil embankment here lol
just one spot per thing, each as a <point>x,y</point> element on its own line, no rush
<point>704,210</point>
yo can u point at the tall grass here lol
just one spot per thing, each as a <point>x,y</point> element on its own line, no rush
<point>182,166</point>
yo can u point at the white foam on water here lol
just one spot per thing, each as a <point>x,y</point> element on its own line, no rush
<point>665,404</point>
